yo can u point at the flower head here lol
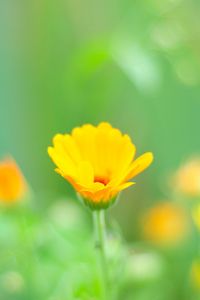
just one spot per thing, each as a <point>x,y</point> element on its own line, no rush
<point>97,161</point>
<point>12,183</point>
<point>165,224</point>
<point>187,178</point>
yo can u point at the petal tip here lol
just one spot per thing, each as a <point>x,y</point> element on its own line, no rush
<point>104,125</point>
<point>150,157</point>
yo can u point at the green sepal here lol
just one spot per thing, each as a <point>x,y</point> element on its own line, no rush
<point>97,206</point>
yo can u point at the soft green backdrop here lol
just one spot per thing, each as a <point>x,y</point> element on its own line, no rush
<point>135,64</point>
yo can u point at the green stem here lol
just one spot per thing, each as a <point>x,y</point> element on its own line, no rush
<point>99,225</point>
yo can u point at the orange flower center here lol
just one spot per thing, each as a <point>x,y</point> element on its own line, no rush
<point>102,180</point>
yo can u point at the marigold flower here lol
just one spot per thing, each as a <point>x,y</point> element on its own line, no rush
<point>98,162</point>
<point>165,224</point>
<point>187,178</point>
<point>12,183</point>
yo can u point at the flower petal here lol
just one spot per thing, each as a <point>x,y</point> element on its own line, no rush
<point>63,162</point>
<point>124,186</point>
<point>85,174</point>
<point>139,165</point>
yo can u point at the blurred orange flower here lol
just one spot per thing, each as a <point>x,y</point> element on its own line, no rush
<point>98,162</point>
<point>165,223</point>
<point>12,183</point>
<point>187,178</point>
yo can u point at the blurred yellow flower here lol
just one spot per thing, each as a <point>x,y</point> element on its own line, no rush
<point>165,223</point>
<point>187,178</point>
<point>97,161</point>
<point>196,216</point>
<point>195,274</point>
<point>12,183</point>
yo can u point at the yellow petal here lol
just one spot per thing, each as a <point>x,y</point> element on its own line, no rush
<point>125,155</point>
<point>114,152</point>
<point>104,126</point>
<point>61,149</point>
<point>85,175</point>
<point>62,161</point>
<point>124,186</point>
<point>71,148</point>
<point>83,138</point>
<point>139,165</point>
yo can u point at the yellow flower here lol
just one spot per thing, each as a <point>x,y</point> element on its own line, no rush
<point>12,183</point>
<point>165,224</point>
<point>98,162</point>
<point>187,178</point>
<point>196,216</point>
<point>195,274</point>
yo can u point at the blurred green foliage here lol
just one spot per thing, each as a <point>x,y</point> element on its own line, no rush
<point>53,257</point>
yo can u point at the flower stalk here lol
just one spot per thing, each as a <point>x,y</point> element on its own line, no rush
<point>100,245</point>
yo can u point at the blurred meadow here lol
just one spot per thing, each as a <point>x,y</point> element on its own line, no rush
<point>135,64</point>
